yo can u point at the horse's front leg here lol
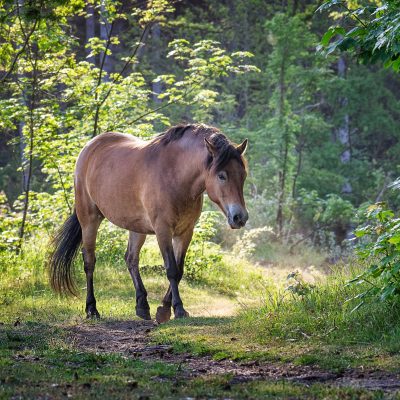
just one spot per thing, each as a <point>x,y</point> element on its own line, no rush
<point>180,246</point>
<point>164,238</point>
<point>136,241</point>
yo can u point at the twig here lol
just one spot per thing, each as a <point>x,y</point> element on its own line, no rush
<point>11,69</point>
<point>99,105</point>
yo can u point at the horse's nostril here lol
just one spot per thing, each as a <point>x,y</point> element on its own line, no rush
<point>236,218</point>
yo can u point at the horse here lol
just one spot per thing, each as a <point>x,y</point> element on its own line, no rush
<point>148,187</point>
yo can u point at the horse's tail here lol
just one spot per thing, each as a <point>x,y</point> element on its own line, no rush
<point>65,245</point>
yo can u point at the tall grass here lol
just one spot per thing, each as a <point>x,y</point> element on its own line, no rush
<point>25,292</point>
<point>323,313</point>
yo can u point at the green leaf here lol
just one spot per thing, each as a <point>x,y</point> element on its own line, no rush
<point>395,239</point>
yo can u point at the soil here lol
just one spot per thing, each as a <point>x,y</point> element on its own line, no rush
<point>132,339</point>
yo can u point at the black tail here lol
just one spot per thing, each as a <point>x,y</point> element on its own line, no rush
<point>65,246</point>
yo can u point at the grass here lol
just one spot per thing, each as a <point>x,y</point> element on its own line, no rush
<point>25,293</point>
<point>240,314</point>
<point>39,364</point>
<point>315,328</point>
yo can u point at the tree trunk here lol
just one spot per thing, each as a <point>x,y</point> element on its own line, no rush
<point>283,150</point>
<point>24,161</point>
<point>156,41</point>
<point>343,135</point>
<point>90,31</point>
<point>105,34</point>
<point>29,158</point>
<point>343,132</point>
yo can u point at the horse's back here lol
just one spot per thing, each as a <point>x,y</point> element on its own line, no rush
<point>109,140</point>
<point>108,178</point>
<point>104,147</point>
<point>136,184</point>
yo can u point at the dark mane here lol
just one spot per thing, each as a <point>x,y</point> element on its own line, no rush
<point>226,151</point>
<point>173,134</point>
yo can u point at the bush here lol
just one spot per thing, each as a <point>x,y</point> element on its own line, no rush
<point>379,246</point>
<point>255,242</point>
<point>202,253</point>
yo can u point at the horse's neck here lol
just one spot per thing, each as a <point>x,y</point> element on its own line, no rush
<point>191,170</point>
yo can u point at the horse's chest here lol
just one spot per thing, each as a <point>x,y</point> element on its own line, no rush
<point>187,219</point>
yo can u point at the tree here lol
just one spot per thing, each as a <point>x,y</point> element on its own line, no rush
<point>60,101</point>
<point>295,78</point>
<point>372,31</point>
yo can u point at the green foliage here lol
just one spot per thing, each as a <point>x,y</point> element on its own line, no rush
<point>379,248</point>
<point>8,223</point>
<point>203,255</point>
<point>60,101</point>
<point>297,285</point>
<point>323,213</point>
<point>372,31</point>
<point>293,120</point>
<point>254,241</point>
<point>59,87</point>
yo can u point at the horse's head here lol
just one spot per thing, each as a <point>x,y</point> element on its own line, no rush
<point>225,178</point>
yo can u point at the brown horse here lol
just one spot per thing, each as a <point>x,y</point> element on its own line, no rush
<point>153,187</point>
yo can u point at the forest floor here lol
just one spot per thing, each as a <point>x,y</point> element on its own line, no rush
<point>120,359</point>
<point>224,351</point>
<point>133,339</point>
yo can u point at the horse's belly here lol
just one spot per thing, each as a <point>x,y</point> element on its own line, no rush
<point>135,223</point>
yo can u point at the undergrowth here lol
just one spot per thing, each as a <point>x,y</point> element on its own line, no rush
<point>300,322</point>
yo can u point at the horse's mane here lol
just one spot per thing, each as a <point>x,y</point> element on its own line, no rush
<point>226,151</point>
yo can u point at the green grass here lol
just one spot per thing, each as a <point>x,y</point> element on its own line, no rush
<point>40,364</point>
<point>37,360</point>
<point>317,328</point>
<point>25,293</point>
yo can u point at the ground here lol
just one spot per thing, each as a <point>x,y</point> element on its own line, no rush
<point>231,348</point>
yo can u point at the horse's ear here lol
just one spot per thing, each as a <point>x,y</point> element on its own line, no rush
<point>242,147</point>
<point>210,147</point>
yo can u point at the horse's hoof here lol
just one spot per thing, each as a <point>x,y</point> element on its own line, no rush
<point>182,313</point>
<point>163,314</point>
<point>92,314</point>
<point>143,313</point>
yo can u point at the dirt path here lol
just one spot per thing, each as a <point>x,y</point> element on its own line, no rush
<point>131,339</point>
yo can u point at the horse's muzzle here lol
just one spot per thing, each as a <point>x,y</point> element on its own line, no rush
<point>237,216</point>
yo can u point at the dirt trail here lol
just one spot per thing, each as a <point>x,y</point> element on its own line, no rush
<point>131,338</point>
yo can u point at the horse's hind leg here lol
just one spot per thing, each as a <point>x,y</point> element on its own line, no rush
<point>89,233</point>
<point>136,241</point>
<point>180,245</point>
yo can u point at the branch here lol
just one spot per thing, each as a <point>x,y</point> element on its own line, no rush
<point>144,32</point>
<point>99,105</point>
<point>63,187</point>
<point>32,105</point>
<point>306,237</point>
<point>353,15</point>
<point>162,106</point>
<point>9,72</point>
<point>109,33</point>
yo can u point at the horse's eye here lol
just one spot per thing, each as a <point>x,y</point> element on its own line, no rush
<point>222,176</point>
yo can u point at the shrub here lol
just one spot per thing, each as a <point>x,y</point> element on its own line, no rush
<point>255,241</point>
<point>202,253</point>
<point>379,246</point>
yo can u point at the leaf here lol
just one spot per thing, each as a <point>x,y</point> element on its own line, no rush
<point>395,239</point>
<point>346,43</point>
<point>357,307</point>
<point>362,231</point>
<point>328,35</point>
<point>329,4</point>
<point>388,292</point>
<point>396,268</point>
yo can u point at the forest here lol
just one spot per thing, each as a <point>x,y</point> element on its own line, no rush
<point>302,302</point>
